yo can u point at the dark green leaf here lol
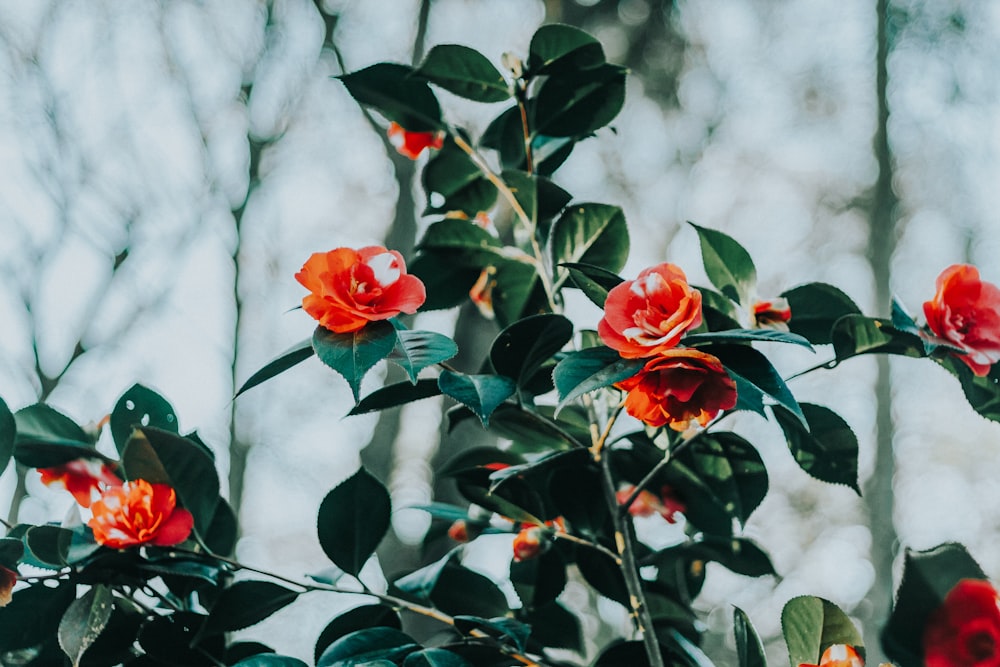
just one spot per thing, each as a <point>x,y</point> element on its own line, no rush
<point>580,102</point>
<point>368,646</point>
<point>33,615</point>
<point>534,429</point>
<point>293,356</point>
<point>459,590</point>
<point>462,242</point>
<point>620,653</point>
<point>982,392</point>
<point>718,312</point>
<point>49,544</point>
<point>593,281</point>
<point>728,265</point>
<point>416,350</point>
<point>8,431</point>
<point>556,47</point>
<point>510,632</point>
<point>755,375</point>
<point>353,519</point>
<point>359,618</point>
<point>397,394</point>
<point>856,334</point>
<point>827,450</point>
<point>601,572</point>
<point>539,581</point>
<point>590,369</point>
<point>174,640</point>
<point>594,234</point>
<point>396,94</point>
<point>554,625</point>
<point>139,407</point>
<point>270,660</point>
<point>247,603</point>
<point>46,438</point>
<point>421,582</point>
<point>11,550</point>
<point>540,198</point>
<point>505,134</point>
<point>50,454</point>
<point>223,530</point>
<point>116,644</point>
<point>518,292</point>
<point>354,354</point>
<point>461,185</point>
<point>480,393</point>
<point>741,335</point>
<point>84,621</point>
<point>465,72</point>
<point>815,308</point>
<point>733,470</point>
<point>521,349</point>
<point>445,278</point>
<point>435,657</point>
<point>737,554</point>
<point>749,650</point>
<point>812,624</point>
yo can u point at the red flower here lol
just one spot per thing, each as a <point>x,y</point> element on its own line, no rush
<point>529,543</point>
<point>771,314</point>
<point>965,630</point>
<point>140,513</point>
<point>965,311</point>
<point>648,504</point>
<point>84,478</point>
<point>412,144</point>
<point>838,655</point>
<point>677,387</point>
<point>647,316</point>
<point>459,531</point>
<point>351,288</point>
<point>7,580</point>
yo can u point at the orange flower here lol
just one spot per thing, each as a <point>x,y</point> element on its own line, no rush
<point>7,580</point>
<point>647,316</point>
<point>529,543</point>
<point>459,531</point>
<point>647,503</point>
<point>677,387</point>
<point>412,144</point>
<point>838,655</point>
<point>481,293</point>
<point>771,314</point>
<point>350,288</point>
<point>965,311</point>
<point>965,630</point>
<point>140,513</point>
<point>84,478</point>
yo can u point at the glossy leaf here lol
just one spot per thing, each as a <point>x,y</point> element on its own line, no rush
<point>396,94</point>
<point>827,450</point>
<point>727,264</point>
<point>749,650</point>
<point>815,309</point>
<point>460,590</point>
<point>510,632</point>
<point>465,72</point>
<point>520,350</point>
<point>435,657</point>
<point>49,544</point>
<point>746,335</point>
<point>454,178</point>
<point>556,46</point>
<point>731,468</point>
<point>480,393</point>
<point>33,615</point>
<point>539,581</point>
<point>394,395</point>
<point>293,356</point>
<point>755,378</point>
<point>518,292</point>
<point>811,624</point>
<point>447,277</point>
<point>270,660</point>
<point>982,392</point>
<point>11,550</point>
<point>222,530</point>
<point>416,350</point>
<point>247,603</point>
<point>463,242</point>
<point>593,368</point>
<point>554,625</point>
<point>718,312</point>
<point>84,621</point>
<point>534,429</point>
<point>540,198</point>
<point>601,572</point>
<point>593,281</point>
<point>353,519</point>
<point>594,234</point>
<point>354,354</point>
<point>42,424</point>
<point>737,554</point>
<point>359,618</point>
<point>856,334</point>
<point>8,431</point>
<point>138,407</point>
<point>579,103</point>
<point>367,646</point>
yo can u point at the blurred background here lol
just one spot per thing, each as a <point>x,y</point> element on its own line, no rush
<point>168,166</point>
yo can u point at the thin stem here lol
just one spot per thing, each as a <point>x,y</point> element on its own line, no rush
<point>560,535</point>
<point>529,159</point>
<point>603,438</point>
<point>829,364</point>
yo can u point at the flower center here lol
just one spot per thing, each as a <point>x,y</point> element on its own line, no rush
<point>980,645</point>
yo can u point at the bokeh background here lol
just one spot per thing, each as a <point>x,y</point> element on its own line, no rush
<point>166,167</point>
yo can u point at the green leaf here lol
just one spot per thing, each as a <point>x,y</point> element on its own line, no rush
<point>416,350</point>
<point>396,94</point>
<point>11,550</point>
<point>540,198</point>
<point>354,354</point>
<point>539,581</point>
<point>593,281</point>
<point>33,615</point>
<point>222,530</point>
<point>731,469</point>
<point>480,393</point>
<point>461,185</point>
<point>749,650</point>
<point>557,46</point>
<point>812,624</point>
<point>518,292</point>
<point>359,618</point>
<point>737,554</point>
<point>511,632</point>
<point>445,278</point>
<point>983,393</point>
<point>174,640</point>
<point>270,660</point>
<point>40,423</point>
<point>353,519</point>
<point>435,657</point>
<point>579,102</point>
<point>49,544</point>
<point>293,356</point>
<point>827,449</point>
<point>84,621</point>
<point>462,242</point>
<point>554,625</point>
<point>856,334</point>
<point>138,407</point>
<point>8,432</point>
<point>728,265</point>
<point>718,312</point>
<point>815,308</point>
<point>534,428</point>
<point>397,394</point>
<point>590,369</point>
<point>459,590</point>
<point>594,234</point>
<point>520,350</point>
<point>246,603</point>
<point>465,72</point>
<point>368,646</point>
<point>755,377</point>
<point>746,335</point>
<point>601,572</point>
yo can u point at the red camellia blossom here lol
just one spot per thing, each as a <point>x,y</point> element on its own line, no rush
<point>350,288</point>
<point>647,316</point>
<point>965,630</point>
<point>412,144</point>
<point>772,313</point>
<point>965,311</point>
<point>140,513</point>
<point>7,580</point>
<point>86,479</point>
<point>838,655</point>
<point>677,387</point>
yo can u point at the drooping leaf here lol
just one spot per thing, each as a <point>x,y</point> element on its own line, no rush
<point>293,356</point>
<point>556,47</point>
<point>727,264</point>
<point>811,624</point>
<point>394,395</point>
<point>453,177</point>
<point>354,354</point>
<point>593,281</point>
<point>827,450</point>
<point>580,102</point>
<point>416,350</point>
<point>137,407</point>
<point>246,603</point>
<point>594,234</point>
<point>465,72</point>
<point>749,650</point>
<point>590,369</point>
<point>353,519</point>
<point>84,621</point>
<point>520,350</point>
<point>746,335</point>
<point>359,618</point>
<point>396,94</point>
<point>755,378</point>
<point>534,428</point>
<point>459,590</point>
<point>43,424</point>
<point>815,308</point>
<point>367,646</point>
<point>8,431</point>
<point>480,393</point>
